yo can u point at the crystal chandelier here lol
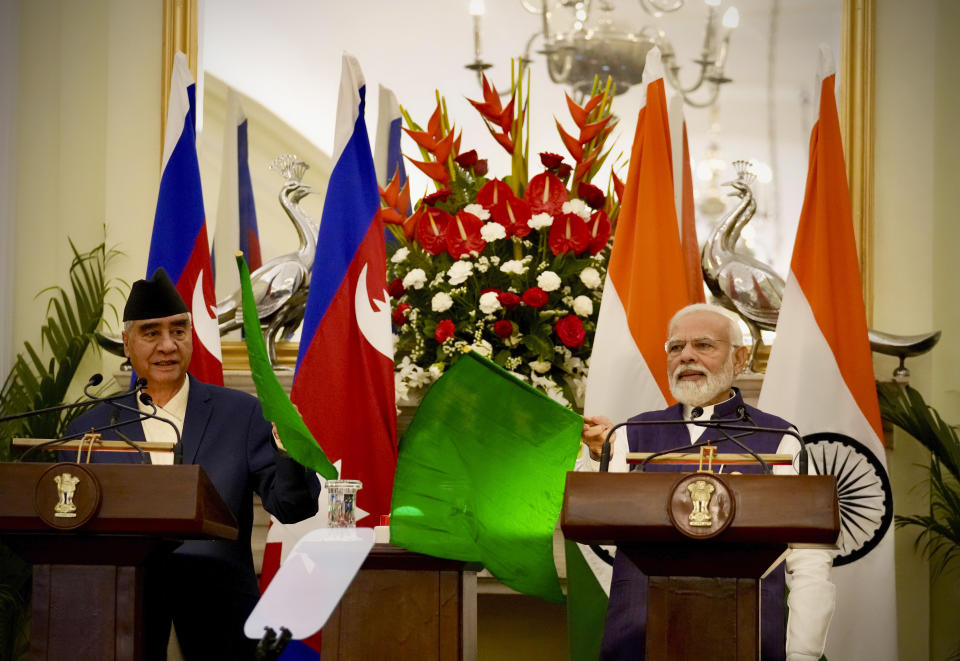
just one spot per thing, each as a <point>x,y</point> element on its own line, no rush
<point>581,39</point>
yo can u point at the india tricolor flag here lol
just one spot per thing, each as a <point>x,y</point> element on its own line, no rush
<point>646,284</point>
<point>820,373</point>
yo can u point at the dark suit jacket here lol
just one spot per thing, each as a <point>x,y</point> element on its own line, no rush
<point>225,432</point>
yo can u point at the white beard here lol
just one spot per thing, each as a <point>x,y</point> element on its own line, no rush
<point>699,393</point>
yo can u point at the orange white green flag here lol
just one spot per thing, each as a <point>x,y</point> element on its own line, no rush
<point>820,373</point>
<point>645,286</point>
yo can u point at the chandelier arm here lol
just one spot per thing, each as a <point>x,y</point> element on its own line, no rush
<point>715,92</point>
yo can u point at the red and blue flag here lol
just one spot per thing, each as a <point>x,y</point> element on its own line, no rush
<point>179,243</point>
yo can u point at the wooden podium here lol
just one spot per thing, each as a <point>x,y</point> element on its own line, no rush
<point>405,606</point>
<point>705,541</point>
<point>88,530</point>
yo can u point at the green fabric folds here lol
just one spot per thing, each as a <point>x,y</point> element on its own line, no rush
<point>277,407</point>
<point>480,475</point>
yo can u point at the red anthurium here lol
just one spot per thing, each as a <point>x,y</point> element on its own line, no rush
<point>599,227</point>
<point>463,235</point>
<point>439,196</point>
<point>568,233</point>
<point>592,195</point>
<point>445,330</point>
<point>508,300</point>
<point>492,193</point>
<point>434,170</point>
<point>570,331</point>
<point>431,228</point>
<point>572,144</point>
<point>546,194</point>
<point>513,213</point>
<point>503,328</point>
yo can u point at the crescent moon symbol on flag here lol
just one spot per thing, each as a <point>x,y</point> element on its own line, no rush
<point>204,324</point>
<point>374,324</point>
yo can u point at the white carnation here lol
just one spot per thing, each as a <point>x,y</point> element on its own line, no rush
<point>540,221</point>
<point>489,302</point>
<point>483,348</point>
<point>415,279</point>
<point>442,302</point>
<point>548,281</point>
<point>459,272</point>
<point>590,277</point>
<point>578,207</point>
<point>582,306</point>
<point>477,210</point>
<point>400,255</point>
<point>514,266</point>
<point>492,232</point>
<point>540,366</point>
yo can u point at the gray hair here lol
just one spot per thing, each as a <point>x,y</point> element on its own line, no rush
<point>733,322</point>
<point>127,325</point>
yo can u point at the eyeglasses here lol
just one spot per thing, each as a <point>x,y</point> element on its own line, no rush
<point>703,346</point>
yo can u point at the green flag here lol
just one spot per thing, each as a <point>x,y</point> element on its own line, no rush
<point>480,475</point>
<point>277,407</point>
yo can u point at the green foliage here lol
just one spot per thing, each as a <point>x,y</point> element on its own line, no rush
<point>939,537</point>
<point>40,379</point>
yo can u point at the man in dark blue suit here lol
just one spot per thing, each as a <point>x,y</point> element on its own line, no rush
<point>207,588</point>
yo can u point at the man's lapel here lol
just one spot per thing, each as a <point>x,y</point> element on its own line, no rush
<point>199,409</point>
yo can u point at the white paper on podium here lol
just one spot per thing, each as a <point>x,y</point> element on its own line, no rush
<point>310,582</point>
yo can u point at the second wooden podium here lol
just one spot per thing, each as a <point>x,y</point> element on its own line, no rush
<point>704,540</point>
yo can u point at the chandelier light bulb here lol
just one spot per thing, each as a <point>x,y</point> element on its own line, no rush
<point>731,18</point>
<point>477,8</point>
<point>713,3</point>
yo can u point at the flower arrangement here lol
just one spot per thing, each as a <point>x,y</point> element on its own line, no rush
<point>512,268</point>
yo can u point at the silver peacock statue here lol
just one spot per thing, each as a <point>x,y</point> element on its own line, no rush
<point>754,291</point>
<point>280,285</point>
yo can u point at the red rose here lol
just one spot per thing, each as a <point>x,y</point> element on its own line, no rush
<point>563,171</point>
<point>400,314</point>
<point>466,159</point>
<point>503,328</point>
<point>396,288</point>
<point>550,160</point>
<point>488,290</point>
<point>444,332</point>
<point>535,297</point>
<point>509,300</point>
<point>592,195</point>
<point>439,196</point>
<point>570,331</point>
<point>480,167</point>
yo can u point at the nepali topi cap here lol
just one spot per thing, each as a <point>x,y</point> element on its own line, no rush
<point>153,299</point>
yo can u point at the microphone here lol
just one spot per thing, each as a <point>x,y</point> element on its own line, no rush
<point>730,424</point>
<point>94,380</point>
<point>114,419</point>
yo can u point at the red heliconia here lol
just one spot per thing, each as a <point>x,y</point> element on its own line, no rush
<point>568,233</point>
<point>546,194</point>
<point>430,230</point>
<point>463,235</point>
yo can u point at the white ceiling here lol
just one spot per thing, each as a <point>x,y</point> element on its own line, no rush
<point>287,56</point>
